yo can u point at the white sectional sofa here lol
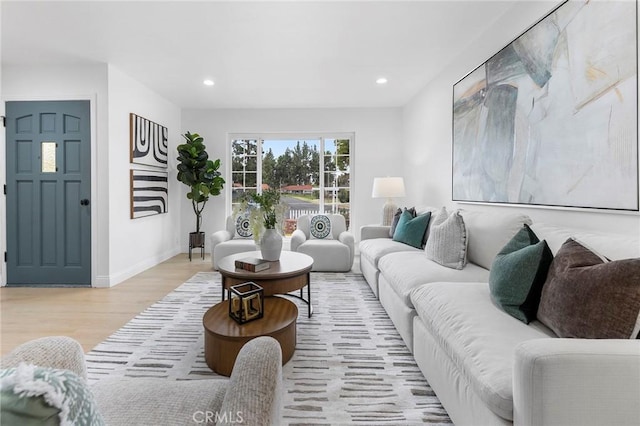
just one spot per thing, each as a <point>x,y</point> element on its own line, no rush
<point>486,366</point>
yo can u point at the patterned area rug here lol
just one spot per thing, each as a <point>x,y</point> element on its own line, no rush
<point>350,365</point>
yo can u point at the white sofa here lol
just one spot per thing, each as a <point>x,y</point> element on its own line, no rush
<point>485,366</point>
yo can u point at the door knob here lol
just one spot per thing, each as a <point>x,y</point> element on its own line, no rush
<point>84,202</point>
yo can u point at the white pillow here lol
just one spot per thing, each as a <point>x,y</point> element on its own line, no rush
<point>320,227</point>
<point>447,243</point>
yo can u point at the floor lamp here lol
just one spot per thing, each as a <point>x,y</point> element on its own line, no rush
<point>389,188</point>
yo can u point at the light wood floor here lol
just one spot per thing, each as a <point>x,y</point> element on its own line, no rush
<point>89,315</point>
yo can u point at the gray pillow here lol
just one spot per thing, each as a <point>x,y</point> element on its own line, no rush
<point>447,243</point>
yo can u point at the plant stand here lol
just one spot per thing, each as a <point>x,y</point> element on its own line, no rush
<point>196,240</point>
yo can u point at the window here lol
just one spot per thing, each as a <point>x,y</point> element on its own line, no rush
<point>313,174</point>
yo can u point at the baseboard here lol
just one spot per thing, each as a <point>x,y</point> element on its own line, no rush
<point>105,281</point>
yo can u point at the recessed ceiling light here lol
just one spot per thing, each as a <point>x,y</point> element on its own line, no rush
<point>208,82</point>
<point>381,80</point>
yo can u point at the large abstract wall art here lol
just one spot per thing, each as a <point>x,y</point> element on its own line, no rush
<point>552,118</point>
<point>148,142</point>
<point>149,193</point>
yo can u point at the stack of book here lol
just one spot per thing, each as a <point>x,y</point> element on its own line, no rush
<point>252,264</point>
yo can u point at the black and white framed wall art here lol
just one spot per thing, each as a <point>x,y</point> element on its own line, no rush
<point>552,118</point>
<point>149,192</point>
<point>149,142</point>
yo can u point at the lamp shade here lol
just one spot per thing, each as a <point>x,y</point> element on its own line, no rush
<point>388,187</point>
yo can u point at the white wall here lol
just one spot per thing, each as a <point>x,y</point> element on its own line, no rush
<point>377,150</point>
<point>427,122</point>
<point>138,244</point>
<point>121,247</point>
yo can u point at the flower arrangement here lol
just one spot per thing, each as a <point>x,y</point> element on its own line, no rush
<point>265,211</point>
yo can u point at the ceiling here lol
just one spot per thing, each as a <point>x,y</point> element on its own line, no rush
<point>260,54</point>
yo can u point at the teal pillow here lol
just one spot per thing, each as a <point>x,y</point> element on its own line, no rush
<point>396,218</point>
<point>518,273</point>
<point>411,230</point>
<point>31,395</point>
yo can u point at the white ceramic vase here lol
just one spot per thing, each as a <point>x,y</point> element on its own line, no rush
<point>271,245</point>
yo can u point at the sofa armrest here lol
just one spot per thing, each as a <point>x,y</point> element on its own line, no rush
<point>220,237</point>
<point>217,238</point>
<point>368,232</point>
<point>576,382</point>
<point>58,352</point>
<point>255,387</point>
<point>298,237</point>
<point>347,239</point>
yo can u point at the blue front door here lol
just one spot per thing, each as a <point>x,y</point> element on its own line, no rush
<point>48,193</point>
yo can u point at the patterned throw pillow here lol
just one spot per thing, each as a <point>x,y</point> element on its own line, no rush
<point>320,227</point>
<point>243,226</point>
<point>447,243</point>
<point>518,273</point>
<point>44,396</point>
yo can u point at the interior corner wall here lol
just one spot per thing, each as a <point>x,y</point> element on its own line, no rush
<point>427,132</point>
<point>377,150</point>
<point>138,244</point>
<point>31,83</point>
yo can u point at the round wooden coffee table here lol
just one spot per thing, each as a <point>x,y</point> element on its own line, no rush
<point>290,273</point>
<point>224,337</point>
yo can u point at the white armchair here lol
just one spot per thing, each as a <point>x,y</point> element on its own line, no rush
<point>254,389</point>
<point>227,242</point>
<point>333,254</point>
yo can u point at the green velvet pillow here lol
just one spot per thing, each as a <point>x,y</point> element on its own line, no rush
<point>396,218</point>
<point>411,230</point>
<point>31,395</point>
<point>518,274</point>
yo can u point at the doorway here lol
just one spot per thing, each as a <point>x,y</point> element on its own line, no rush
<point>48,193</point>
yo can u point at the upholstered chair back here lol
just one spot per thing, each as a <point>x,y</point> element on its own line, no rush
<point>338,224</point>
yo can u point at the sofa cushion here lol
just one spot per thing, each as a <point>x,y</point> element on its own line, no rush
<point>518,274</point>
<point>488,232</point>
<point>408,270</point>
<point>166,402</point>
<point>478,337</point>
<point>374,249</point>
<point>588,297</point>
<point>447,242</point>
<point>328,255</point>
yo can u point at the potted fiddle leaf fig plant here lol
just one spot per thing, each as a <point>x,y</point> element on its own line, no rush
<point>201,175</point>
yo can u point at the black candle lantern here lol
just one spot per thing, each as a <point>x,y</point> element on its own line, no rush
<point>246,302</point>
